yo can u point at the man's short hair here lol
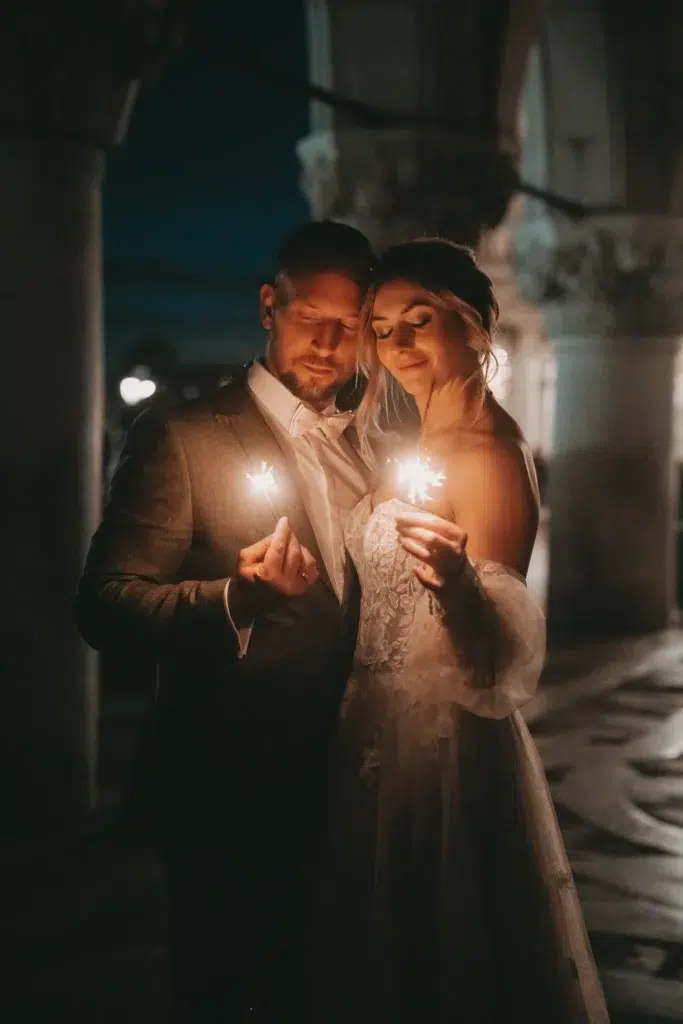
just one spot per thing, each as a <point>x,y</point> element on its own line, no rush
<point>325,246</point>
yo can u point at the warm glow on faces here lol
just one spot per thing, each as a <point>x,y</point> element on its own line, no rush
<point>313,326</point>
<point>421,344</point>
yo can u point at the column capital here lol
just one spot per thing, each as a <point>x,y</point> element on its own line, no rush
<point>612,275</point>
<point>496,257</point>
<point>395,184</point>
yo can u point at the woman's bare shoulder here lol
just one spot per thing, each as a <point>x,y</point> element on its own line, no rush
<point>490,465</point>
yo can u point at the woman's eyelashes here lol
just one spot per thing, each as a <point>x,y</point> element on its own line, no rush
<point>382,333</point>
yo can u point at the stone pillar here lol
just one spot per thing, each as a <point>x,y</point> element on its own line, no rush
<point>520,328</point>
<point>397,184</point>
<point>613,302</point>
<point>444,161</point>
<point>525,393</point>
<point>67,87</point>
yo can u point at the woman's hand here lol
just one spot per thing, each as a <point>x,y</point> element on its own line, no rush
<point>437,543</point>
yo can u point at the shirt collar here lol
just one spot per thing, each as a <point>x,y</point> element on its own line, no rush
<point>284,407</point>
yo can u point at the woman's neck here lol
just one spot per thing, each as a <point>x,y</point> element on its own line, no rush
<point>452,407</point>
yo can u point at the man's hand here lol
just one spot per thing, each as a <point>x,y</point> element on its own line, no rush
<point>274,568</point>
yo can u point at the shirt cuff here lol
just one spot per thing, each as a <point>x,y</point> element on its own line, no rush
<point>243,635</point>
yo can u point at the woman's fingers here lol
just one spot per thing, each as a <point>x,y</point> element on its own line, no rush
<point>433,541</point>
<point>435,524</point>
<point>441,562</point>
<point>427,538</point>
<point>428,577</point>
<point>431,547</point>
<point>413,547</point>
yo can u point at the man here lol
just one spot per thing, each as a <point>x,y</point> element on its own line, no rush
<point>248,603</point>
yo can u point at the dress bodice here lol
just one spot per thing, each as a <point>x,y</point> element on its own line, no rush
<point>402,639</point>
<point>390,589</point>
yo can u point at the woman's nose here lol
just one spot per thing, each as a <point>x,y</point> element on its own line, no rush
<point>404,336</point>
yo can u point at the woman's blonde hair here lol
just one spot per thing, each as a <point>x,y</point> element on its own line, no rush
<point>450,276</point>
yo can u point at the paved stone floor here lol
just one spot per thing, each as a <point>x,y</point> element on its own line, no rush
<point>82,926</point>
<point>611,740</point>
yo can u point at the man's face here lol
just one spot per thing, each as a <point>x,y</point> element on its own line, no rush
<point>312,322</point>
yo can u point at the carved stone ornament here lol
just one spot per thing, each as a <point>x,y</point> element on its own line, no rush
<point>619,274</point>
<point>399,184</point>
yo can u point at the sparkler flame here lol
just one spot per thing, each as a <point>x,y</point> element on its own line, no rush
<point>263,482</point>
<point>416,476</point>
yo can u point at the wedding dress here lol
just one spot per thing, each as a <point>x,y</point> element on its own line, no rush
<point>445,893</point>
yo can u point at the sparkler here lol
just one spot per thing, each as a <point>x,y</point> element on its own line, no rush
<point>263,484</point>
<point>416,477</point>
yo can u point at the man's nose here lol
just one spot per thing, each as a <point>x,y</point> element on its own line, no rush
<point>327,335</point>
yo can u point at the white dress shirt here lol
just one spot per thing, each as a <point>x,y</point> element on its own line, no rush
<point>331,473</point>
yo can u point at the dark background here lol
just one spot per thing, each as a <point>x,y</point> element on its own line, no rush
<point>204,187</point>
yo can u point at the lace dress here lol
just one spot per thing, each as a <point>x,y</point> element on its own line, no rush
<point>445,893</point>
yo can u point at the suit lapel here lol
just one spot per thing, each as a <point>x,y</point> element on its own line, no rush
<point>238,411</point>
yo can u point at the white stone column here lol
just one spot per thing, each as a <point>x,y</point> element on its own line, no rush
<point>612,294</point>
<point>396,184</point>
<point>443,160</point>
<point>67,87</point>
<point>520,327</point>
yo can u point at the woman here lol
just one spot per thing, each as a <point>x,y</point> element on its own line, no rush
<point>445,891</point>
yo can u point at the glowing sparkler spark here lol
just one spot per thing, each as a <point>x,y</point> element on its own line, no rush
<point>417,477</point>
<point>263,483</point>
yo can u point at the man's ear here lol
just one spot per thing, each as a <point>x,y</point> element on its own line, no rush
<point>267,304</point>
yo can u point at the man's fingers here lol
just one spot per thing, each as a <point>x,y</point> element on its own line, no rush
<point>308,565</point>
<point>292,560</point>
<point>281,562</point>
<point>274,557</point>
<point>255,552</point>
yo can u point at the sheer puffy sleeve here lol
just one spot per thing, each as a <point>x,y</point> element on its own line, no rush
<point>439,669</point>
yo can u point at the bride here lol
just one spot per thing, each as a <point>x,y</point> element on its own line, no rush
<point>445,892</point>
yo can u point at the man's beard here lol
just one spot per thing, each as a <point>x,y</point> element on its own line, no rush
<point>319,397</point>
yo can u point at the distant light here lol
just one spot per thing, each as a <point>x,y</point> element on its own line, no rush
<point>500,379</point>
<point>133,390</point>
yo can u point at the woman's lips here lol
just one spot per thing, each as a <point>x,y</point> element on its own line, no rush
<point>413,366</point>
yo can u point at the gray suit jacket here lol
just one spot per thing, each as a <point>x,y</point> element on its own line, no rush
<point>229,731</point>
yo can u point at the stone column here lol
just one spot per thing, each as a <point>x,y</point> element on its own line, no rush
<point>67,87</point>
<point>520,328</point>
<point>397,184</point>
<point>444,160</point>
<point>613,302</point>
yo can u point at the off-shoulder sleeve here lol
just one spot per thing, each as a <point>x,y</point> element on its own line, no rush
<point>438,670</point>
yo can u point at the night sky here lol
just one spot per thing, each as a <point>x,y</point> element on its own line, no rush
<point>202,191</point>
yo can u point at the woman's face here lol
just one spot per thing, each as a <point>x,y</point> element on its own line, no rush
<point>422,345</point>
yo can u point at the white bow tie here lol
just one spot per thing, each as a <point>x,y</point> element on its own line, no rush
<point>306,421</point>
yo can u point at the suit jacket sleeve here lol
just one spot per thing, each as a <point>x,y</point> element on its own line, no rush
<point>129,594</point>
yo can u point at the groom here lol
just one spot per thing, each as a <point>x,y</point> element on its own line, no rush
<point>249,606</point>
